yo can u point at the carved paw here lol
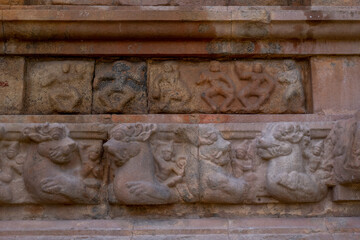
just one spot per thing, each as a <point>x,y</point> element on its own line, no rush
<point>140,188</point>
<point>52,185</point>
<point>217,181</point>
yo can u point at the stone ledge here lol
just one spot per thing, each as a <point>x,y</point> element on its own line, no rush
<point>208,228</point>
<point>174,31</point>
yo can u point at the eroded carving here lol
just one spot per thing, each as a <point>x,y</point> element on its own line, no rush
<point>53,171</point>
<point>218,185</point>
<point>169,89</point>
<point>259,89</point>
<point>259,86</point>
<point>149,165</point>
<point>120,87</point>
<point>220,85</point>
<point>60,87</point>
<point>345,142</point>
<point>298,170</point>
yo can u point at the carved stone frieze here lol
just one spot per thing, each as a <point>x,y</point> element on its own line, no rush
<point>274,86</point>
<point>120,87</point>
<point>156,163</point>
<point>59,87</point>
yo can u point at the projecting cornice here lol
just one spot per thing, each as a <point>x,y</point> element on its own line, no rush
<point>192,31</point>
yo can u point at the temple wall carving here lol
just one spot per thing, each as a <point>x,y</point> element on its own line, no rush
<point>157,164</point>
<point>179,119</point>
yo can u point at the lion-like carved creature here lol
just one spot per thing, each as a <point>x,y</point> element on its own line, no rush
<point>292,175</point>
<point>135,180</point>
<point>52,170</point>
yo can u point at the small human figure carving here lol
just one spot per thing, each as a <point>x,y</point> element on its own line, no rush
<point>62,96</point>
<point>116,88</point>
<point>294,97</point>
<point>52,170</point>
<point>92,170</point>
<point>135,180</point>
<point>168,169</point>
<point>243,162</point>
<point>294,173</point>
<point>261,85</point>
<point>218,183</point>
<point>220,85</point>
<point>168,87</point>
<point>11,164</point>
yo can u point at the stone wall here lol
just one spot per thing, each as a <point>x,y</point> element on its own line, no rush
<point>175,119</point>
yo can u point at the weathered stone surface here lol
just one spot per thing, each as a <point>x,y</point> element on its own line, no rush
<point>226,87</point>
<point>11,84</point>
<point>120,87</point>
<point>345,141</point>
<point>335,84</point>
<point>179,228</point>
<point>151,164</point>
<point>59,87</point>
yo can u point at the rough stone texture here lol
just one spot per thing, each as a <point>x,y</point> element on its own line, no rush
<point>59,87</point>
<point>120,87</point>
<point>211,228</point>
<point>226,87</point>
<point>12,71</point>
<point>335,84</point>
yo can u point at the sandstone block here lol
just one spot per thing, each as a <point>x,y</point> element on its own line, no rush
<point>11,85</point>
<point>226,87</point>
<point>59,87</point>
<point>335,84</point>
<point>120,87</point>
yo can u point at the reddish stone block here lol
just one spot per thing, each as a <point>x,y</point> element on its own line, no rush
<point>335,84</point>
<point>226,87</point>
<point>12,84</point>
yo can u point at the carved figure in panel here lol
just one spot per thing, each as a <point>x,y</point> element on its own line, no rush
<point>134,180</point>
<point>59,87</point>
<point>218,184</point>
<point>298,171</point>
<point>220,85</point>
<point>53,171</point>
<point>259,89</point>
<point>11,162</point>
<point>120,88</point>
<point>148,166</point>
<point>169,89</point>
<point>293,97</point>
<point>344,139</point>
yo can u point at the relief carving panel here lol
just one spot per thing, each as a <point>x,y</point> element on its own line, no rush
<point>58,169</point>
<point>59,87</point>
<point>298,169</point>
<point>120,87</point>
<point>154,163</point>
<point>151,164</point>
<point>227,87</point>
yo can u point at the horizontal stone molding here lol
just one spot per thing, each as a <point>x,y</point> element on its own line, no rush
<point>208,228</point>
<point>205,31</point>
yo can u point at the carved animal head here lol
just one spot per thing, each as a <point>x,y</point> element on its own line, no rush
<point>278,140</point>
<point>125,141</point>
<point>213,147</point>
<point>46,132</point>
